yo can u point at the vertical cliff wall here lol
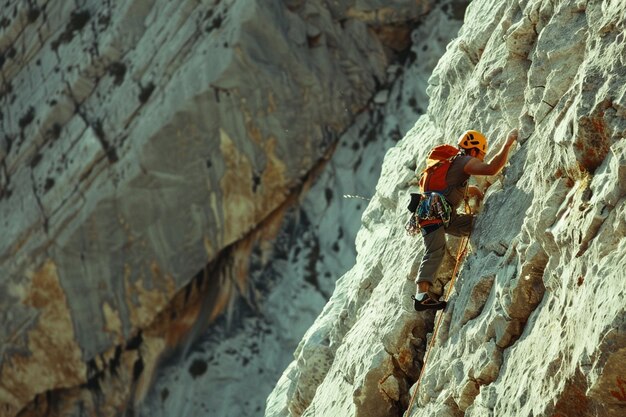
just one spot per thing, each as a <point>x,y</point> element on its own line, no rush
<point>146,146</point>
<point>536,322</point>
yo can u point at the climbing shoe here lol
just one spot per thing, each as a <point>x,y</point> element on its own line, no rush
<point>427,303</point>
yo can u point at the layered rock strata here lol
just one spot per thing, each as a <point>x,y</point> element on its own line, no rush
<point>535,325</point>
<point>145,147</point>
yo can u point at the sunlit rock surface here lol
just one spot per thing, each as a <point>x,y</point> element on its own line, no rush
<point>536,323</point>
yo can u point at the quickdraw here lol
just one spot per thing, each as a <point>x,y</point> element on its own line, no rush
<point>432,208</point>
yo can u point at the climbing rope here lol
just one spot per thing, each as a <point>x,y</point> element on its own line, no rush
<point>356,197</point>
<point>461,252</point>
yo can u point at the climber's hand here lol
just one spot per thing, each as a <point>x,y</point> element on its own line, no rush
<point>512,137</point>
<point>474,191</point>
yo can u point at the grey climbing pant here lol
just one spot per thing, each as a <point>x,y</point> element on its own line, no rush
<point>435,245</point>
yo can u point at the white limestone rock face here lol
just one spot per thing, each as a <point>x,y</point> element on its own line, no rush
<point>145,146</point>
<point>536,322</point>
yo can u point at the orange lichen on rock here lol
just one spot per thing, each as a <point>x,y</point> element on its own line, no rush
<point>145,303</point>
<point>52,357</point>
<point>236,186</point>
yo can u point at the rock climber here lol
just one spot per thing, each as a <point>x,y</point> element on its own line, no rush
<point>472,148</point>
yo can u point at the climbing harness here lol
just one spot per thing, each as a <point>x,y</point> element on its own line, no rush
<point>461,252</point>
<point>429,208</point>
<point>434,206</point>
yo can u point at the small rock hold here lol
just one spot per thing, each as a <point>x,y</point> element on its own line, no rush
<point>381,97</point>
<point>49,184</point>
<point>33,14</point>
<point>164,394</point>
<point>391,387</point>
<point>117,70</point>
<point>198,368</point>
<point>27,118</point>
<point>146,92</point>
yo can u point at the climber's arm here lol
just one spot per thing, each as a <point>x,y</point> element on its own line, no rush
<point>477,167</point>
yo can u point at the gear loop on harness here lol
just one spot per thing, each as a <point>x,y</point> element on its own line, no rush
<point>430,208</point>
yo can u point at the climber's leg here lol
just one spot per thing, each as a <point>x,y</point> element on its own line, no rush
<point>460,225</point>
<point>434,250</point>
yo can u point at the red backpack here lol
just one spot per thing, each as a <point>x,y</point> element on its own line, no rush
<point>433,177</point>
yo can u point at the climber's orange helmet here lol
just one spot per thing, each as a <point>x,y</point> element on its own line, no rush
<point>473,139</point>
